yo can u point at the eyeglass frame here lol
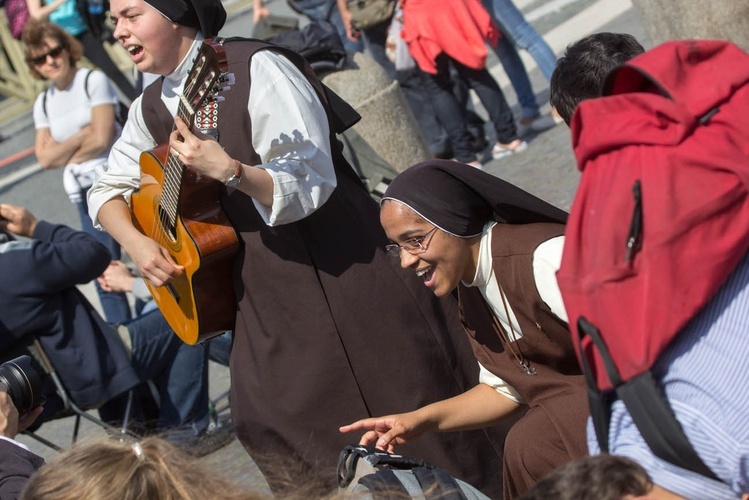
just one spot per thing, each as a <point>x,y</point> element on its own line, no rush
<point>419,247</point>
<point>41,59</point>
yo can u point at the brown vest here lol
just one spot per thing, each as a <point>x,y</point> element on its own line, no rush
<point>546,345</point>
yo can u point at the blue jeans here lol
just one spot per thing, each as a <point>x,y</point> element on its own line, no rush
<point>116,306</point>
<point>219,348</point>
<point>179,370</point>
<point>328,11</point>
<point>513,66</point>
<point>513,25</point>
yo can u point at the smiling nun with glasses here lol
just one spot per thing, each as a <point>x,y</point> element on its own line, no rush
<point>462,229</point>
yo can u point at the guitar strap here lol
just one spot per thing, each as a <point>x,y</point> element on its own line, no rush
<point>155,113</point>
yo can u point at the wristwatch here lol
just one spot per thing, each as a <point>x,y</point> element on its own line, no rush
<point>235,179</point>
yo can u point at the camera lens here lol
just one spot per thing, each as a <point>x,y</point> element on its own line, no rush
<point>22,383</point>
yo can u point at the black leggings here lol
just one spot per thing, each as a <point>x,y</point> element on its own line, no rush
<point>452,115</point>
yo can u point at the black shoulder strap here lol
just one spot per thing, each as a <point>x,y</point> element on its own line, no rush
<point>437,484</point>
<point>85,84</point>
<point>155,113</point>
<point>384,485</point>
<point>44,103</point>
<point>85,87</point>
<point>647,405</point>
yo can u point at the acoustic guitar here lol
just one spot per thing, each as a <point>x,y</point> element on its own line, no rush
<point>181,210</point>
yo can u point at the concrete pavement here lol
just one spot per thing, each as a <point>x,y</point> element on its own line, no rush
<point>546,169</point>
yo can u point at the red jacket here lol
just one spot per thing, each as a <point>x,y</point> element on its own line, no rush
<point>459,28</point>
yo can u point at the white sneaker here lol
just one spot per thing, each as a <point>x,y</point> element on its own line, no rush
<point>500,152</point>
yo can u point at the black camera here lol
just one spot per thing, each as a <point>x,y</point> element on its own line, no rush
<point>22,383</point>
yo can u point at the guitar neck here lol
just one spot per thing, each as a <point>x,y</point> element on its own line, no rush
<point>202,85</point>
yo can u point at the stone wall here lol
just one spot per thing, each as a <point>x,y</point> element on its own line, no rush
<point>683,19</point>
<point>387,122</point>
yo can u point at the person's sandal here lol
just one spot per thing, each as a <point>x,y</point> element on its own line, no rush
<point>500,151</point>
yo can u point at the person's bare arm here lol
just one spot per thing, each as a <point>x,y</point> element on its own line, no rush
<point>53,154</point>
<point>351,33</point>
<point>100,134</point>
<point>259,11</point>
<point>41,12</point>
<point>479,407</point>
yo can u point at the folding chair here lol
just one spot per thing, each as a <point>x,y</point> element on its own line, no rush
<point>69,407</point>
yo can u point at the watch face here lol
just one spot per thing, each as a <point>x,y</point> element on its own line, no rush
<point>233,181</point>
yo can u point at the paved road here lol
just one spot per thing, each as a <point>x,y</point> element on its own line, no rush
<point>546,169</point>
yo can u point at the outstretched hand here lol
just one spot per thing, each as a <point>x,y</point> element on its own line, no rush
<point>389,431</point>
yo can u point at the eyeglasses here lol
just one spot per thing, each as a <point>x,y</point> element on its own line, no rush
<point>53,53</point>
<point>413,246</point>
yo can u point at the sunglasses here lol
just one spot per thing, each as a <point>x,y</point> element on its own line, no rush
<point>54,53</point>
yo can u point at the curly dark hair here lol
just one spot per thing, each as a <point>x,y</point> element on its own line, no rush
<point>33,37</point>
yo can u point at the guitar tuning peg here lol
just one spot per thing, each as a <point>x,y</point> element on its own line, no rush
<point>230,78</point>
<point>219,98</point>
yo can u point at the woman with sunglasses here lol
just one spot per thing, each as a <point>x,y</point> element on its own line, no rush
<point>462,229</point>
<point>66,14</point>
<point>75,128</point>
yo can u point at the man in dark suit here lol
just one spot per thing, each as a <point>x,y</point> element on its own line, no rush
<point>97,362</point>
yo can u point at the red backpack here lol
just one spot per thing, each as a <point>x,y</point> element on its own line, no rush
<point>658,223</point>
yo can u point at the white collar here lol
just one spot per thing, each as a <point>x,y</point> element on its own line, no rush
<point>185,66</point>
<point>484,270</point>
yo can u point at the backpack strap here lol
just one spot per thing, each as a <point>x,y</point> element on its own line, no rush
<point>85,88</point>
<point>437,484</point>
<point>44,104</point>
<point>384,484</point>
<point>647,405</point>
<point>85,84</point>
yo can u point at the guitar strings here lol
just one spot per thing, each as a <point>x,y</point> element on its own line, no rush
<point>173,171</point>
<point>164,226</point>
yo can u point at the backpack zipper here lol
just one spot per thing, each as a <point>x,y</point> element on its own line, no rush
<point>635,225</point>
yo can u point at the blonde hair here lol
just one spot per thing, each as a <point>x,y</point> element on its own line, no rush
<point>109,469</point>
<point>33,36</point>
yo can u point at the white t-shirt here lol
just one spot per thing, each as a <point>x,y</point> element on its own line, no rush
<point>68,111</point>
<point>289,131</point>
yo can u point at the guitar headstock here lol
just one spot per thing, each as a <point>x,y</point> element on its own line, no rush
<point>207,79</point>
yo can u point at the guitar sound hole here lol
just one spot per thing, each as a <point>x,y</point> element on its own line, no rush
<point>167,224</point>
<point>173,291</point>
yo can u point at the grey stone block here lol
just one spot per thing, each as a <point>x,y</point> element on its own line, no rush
<point>689,19</point>
<point>387,123</point>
